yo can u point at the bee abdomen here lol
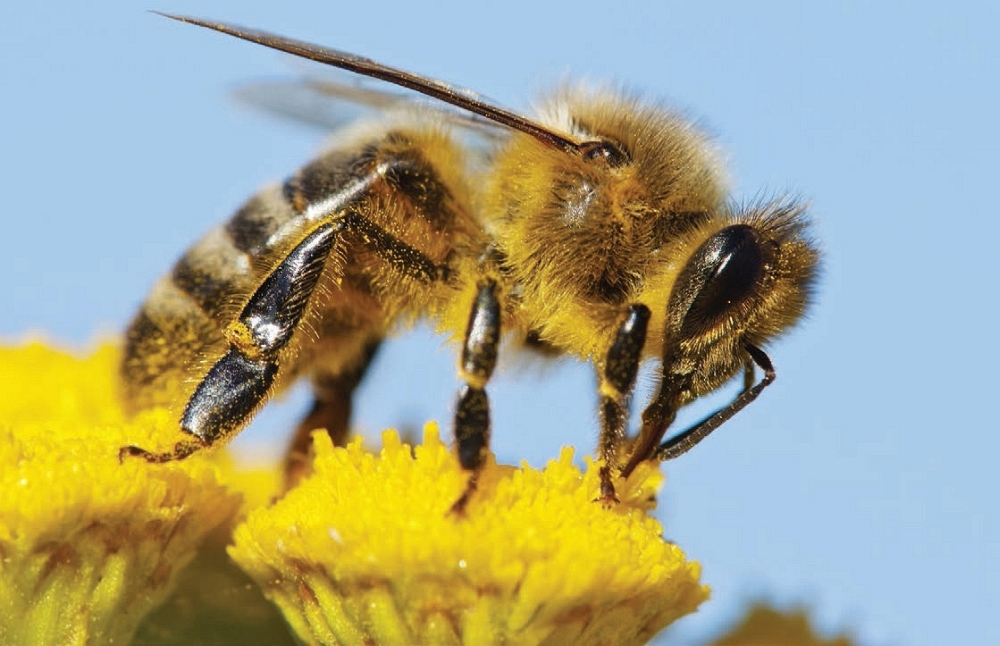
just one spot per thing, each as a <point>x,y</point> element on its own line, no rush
<point>212,272</point>
<point>251,229</point>
<point>386,184</point>
<point>222,269</point>
<point>180,325</point>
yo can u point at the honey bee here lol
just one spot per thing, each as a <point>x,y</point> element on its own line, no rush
<point>601,229</point>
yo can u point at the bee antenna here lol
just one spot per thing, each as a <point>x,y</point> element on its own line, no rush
<point>367,67</point>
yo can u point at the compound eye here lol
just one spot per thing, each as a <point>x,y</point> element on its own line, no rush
<point>613,154</point>
<point>722,273</point>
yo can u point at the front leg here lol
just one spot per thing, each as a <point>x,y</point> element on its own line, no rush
<point>616,381</point>
<point>685,441</point>
<point>472,412</point>
<point>662,411</point>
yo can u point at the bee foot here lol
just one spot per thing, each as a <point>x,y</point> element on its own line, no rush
<point>181,451</point>
<point>608,497</point>
<point>458,507</point>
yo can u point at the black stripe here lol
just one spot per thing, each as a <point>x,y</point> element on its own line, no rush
<point>393,160</point>
<point>258,219</point>
<point>206,288</point>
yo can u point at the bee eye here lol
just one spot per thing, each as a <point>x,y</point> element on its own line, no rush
<point>721,274</point>
<point>613,154</point>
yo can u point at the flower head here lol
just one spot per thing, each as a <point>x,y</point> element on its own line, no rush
<point>88,546</point>
<point>366,551</point>
<point>766,626</point>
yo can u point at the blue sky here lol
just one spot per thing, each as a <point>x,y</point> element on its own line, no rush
<point>862,484</point>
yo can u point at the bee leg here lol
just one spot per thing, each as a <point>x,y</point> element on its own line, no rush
<point>660,416</point>
<point>472,412</point>
<point>180,451</point>
<point>616,381</point>
<point>241,380</point>
<point>685,441</point>
<point>331,410</point>
<point>402,257</point>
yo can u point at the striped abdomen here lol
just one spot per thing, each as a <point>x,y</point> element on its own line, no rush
<point>388,187</point>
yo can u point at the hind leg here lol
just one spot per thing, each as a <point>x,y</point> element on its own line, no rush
<point>331,410</point>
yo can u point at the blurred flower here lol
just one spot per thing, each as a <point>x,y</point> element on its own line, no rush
<point>766,626</point>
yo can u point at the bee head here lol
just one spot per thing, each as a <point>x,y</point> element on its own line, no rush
<point>744,284</point>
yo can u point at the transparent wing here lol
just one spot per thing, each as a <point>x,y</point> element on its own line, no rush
<point>330,104</point>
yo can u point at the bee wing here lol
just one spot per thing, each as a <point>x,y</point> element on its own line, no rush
<point>329,104</point>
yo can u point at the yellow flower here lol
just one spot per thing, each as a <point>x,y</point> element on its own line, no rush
<point>88,546</point>
<point>365,551</point>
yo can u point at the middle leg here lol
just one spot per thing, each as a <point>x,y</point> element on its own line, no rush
<point>472,412</point>
<point>617,379</point>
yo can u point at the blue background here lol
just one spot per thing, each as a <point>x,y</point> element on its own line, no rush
<point>862,484</point>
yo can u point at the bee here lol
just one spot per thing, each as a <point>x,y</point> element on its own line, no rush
<point>601,229</point>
